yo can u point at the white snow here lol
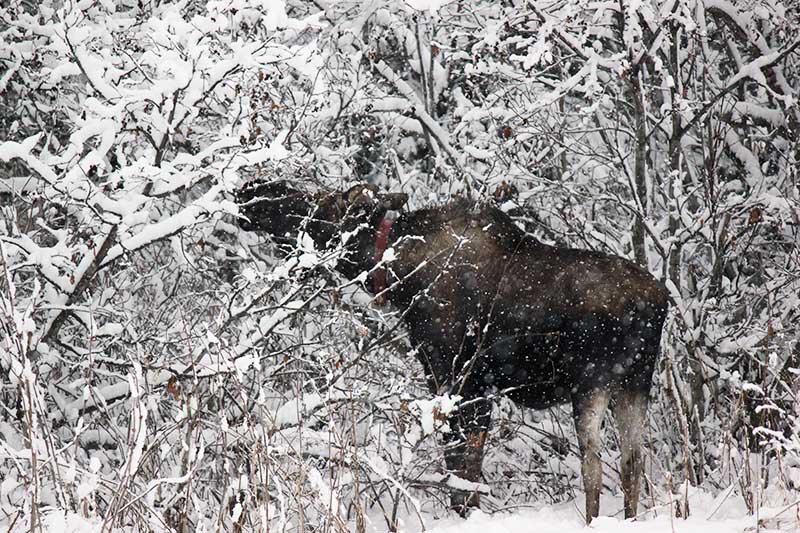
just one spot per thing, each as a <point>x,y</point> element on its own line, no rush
<point>274,152</point>
<point>565,519</point>
<point>431,6</point>
<point>709,514</point>
<point>723,513</point>
<point>389,255</point>
<point>433,412</point>
<point>295,410</point>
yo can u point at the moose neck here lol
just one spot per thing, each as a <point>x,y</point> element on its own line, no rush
<point>381,241</point>
<point>360,249</point>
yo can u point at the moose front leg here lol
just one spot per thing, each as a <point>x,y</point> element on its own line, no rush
<point>464,450</point>
<point>438,350</point>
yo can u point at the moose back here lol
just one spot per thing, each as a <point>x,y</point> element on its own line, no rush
<point>490,308</point>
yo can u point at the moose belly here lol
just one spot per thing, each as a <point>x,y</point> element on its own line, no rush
<point>543,369</point>
<point>531,369</point>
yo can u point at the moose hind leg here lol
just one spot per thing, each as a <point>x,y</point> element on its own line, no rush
<point>630,412</point>
<point>588,411</point>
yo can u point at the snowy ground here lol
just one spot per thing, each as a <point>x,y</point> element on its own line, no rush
<point>563,520</point>
<point>724,513</point>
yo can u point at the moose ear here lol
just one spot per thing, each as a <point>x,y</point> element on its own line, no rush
<point>363,192</point>
<point>393,201</point>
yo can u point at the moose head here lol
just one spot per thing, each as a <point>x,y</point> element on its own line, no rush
<point>281,210</point>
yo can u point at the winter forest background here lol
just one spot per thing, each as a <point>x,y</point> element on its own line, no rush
<point>161,369</point>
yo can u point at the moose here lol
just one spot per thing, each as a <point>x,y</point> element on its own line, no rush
<point>489,308</point>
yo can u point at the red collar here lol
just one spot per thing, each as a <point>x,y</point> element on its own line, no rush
<point>379,276</point>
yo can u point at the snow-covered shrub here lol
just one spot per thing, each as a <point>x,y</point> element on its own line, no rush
<point>162,369</point>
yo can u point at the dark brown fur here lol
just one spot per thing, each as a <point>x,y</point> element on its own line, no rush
<point>489,308</point>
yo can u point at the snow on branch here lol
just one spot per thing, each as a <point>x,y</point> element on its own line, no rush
<point>751,70</point>
<point>83,192</point>
<point>189,216</point>
<point>760,114</point>
<point>743,154</point>
<point>417,108</point>
<point>741,26</point>
<point>450,481</point>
